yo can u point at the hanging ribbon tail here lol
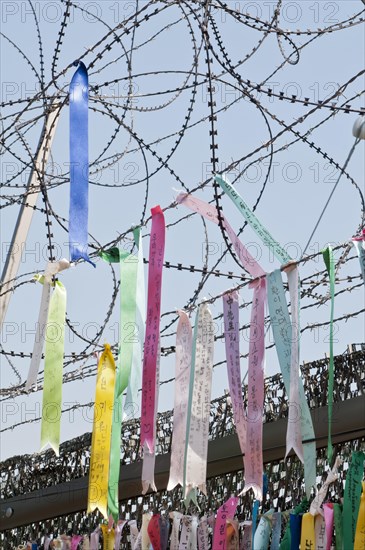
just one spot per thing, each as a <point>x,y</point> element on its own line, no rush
<point>182,377</point>
<point>226,511</point>
<point>294,430</point>
<point>145,539</point>
<point>53,366</point>
<point>276,531</point>
<point>79,165</point>
<point>232,338</point>
<point>200,386</point>
<point>320,532</point>
<point>101,435</point>
<point>253,462</point>
<point>148,470</point>
<point>203,534</point>
<point>281,327</point>
<point>149,457</point>
<point>151,348</point>
<point>174,539</point>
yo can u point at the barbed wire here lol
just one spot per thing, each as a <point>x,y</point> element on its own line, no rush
<point>121,97</point>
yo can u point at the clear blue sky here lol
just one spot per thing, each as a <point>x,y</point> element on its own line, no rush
<point>298,187</point>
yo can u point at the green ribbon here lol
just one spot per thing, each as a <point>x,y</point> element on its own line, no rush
<point>329,261</point>
<point>253,221</point>
<point>128,282</point>
<point>53,366</point>
<point>351,502</point>
<point>300,509</point>
<point>131,407</point>
<point>337,510</point>
<point>281,328</point>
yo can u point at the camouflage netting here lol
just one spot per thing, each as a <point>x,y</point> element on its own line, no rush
<point>24,474</point>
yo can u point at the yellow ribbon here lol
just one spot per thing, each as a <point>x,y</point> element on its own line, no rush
<point>102,428</point>
<point>308,537</point>
<point>108,537</point>
<point>360,525</point>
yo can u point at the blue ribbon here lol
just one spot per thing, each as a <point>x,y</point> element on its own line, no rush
<point>295,530</point>
<point>276,531</point>
<point>255,514</point>
<point>79,164</point>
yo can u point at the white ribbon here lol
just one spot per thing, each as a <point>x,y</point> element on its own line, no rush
<point>203,534</point>
<point>146,543</point>
<point>247,535</point>
<point>294,431</point>
<point>182,377</point>
<point>174,540</point>
<point>315,507</point>
<point>118,533</point>
<point>320,532</point>
<point>136,539</point>
<point>360,249</point>
<point>94,539</point>
<point>185,533</point>
<point>194,534</point>
<point>52,269</point>
<point>197,450</point>
<point>148,466</point>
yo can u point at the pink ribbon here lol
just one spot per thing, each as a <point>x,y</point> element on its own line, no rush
<point>253,458</point>
<point>226,511</point>
<point>246,543</point>
<point>328,520</point>
<point>118,533</point>
<point>210,213</point>
<point>94,539</point>
<point>182,377</point>
<point>151,345</point>
<point>153,531</point>
<point>75,541</point>
<point>232,344</point>
<point>294,432</point>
